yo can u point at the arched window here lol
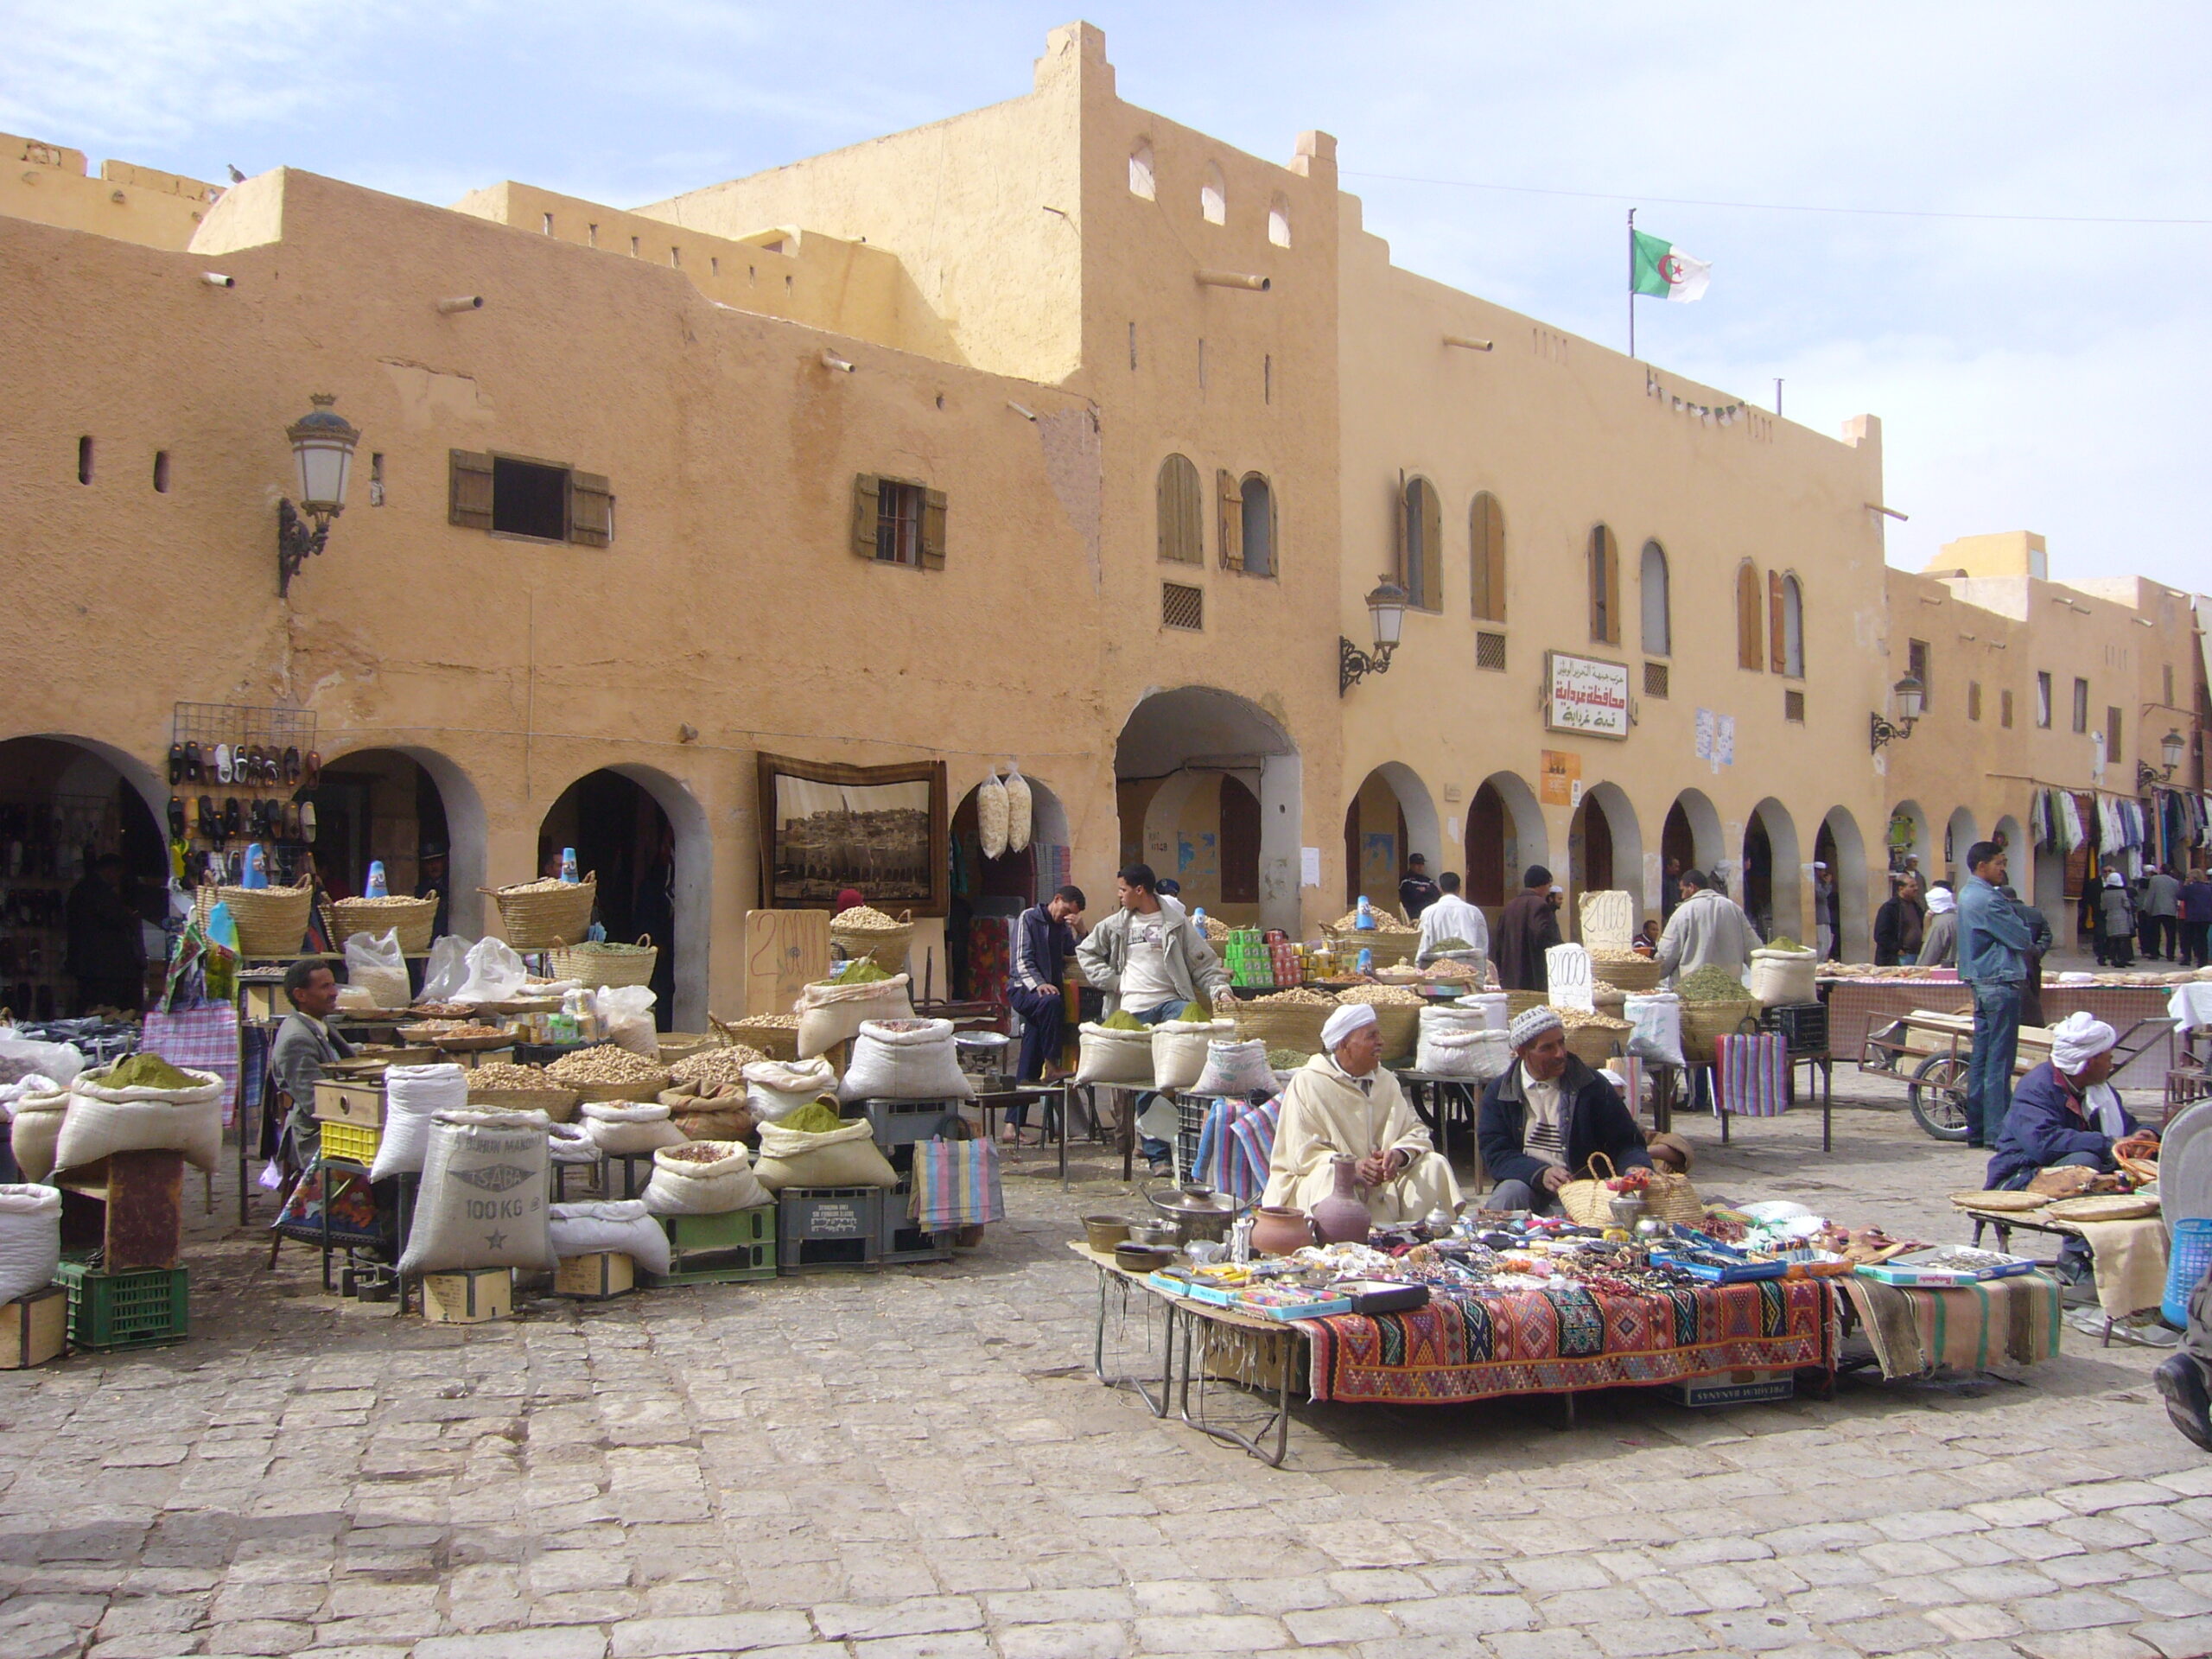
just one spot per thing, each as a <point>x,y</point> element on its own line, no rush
<point>1605,587</point>
<point>1750,636</point>
<point>1658,625</point>
<point>1258,525</point>
<point>1421,538</point>
<point>1790,631</point>
<point>1140,181</point>
<point>1213,196</point>
<point>1486,538</point>
<point>1182,512</point>
<point>1279,220</point>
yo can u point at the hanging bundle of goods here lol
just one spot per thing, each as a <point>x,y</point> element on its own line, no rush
<point>991,812</point>
<point>1020,811</point>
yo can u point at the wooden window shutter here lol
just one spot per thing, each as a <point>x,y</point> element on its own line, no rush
<point>1612,590</point>
<point>932,530</point>
<point>1230,496</point>
<point>864,514</point>
<point>1167,506</point>
<point>1748,651</point>
<point>1400,574</point>
<point>591,510</point>
<point>1777,643</point>
<point>1432,548</point>
<point>469,503</point>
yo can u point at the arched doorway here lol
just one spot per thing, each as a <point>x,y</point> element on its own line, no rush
<point>1690,840</point>
<point>1392,817</point>
<point>1505,835</point>
<point>1839,845</point>
<point>1178,754</point>
<point>986,894</point>
<point>415,812</point>
<point>1604,845</point>
<point>1962,830</point>
<point>66,804</point>
<point>1907,841</point>
<point>643,835</point>
<point>1773,883</point>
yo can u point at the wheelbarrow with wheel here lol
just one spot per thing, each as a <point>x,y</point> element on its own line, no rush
<point>1932,1053</point>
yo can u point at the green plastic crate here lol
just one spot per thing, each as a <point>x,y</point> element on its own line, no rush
<point>727,1248</point>
<point>125,1309</point>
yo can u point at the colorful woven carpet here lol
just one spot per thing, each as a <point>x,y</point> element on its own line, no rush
<point>1913,1331</point>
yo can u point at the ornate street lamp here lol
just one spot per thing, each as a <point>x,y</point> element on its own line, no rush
<point>1910,695</point>
<point>1386,607</point>
<point>322,445</point>
<point>2172,747</point>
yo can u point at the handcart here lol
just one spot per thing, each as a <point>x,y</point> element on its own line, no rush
<point>1932,1053</point>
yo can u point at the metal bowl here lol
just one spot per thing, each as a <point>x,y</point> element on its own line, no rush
<point>1153,1233</point>
<point>1143,1258</point>
<point>1104,1232</point>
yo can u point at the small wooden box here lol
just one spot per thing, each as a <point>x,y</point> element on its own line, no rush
<point>358,1104</point>
<point>599,1274</point>
<point>468,1298</point>
<point>34,1329</point>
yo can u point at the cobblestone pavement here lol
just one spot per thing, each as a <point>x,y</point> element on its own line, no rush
<point>917,1464</point>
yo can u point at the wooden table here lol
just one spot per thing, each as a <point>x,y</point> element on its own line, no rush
<point>1857,1006</point>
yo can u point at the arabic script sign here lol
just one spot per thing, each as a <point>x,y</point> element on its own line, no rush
<point>1586,696</point>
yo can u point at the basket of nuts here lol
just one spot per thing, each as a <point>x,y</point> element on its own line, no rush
<point>608,1072</point>
<point>544,915</point>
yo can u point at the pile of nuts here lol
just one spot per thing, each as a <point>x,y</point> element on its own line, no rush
<point>606,1063</point>
<point>1385,922</point>
<point>1575,1020</point>
<point>551,884</point>
<point>1381,996</point>
<point>500,1074</point>
<point>866,918</point>
<point>766,1022</point>
<point>718,1068</point>
<point>1299,996</point>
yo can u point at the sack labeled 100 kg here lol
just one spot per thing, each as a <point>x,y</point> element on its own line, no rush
<point>482,1203</point>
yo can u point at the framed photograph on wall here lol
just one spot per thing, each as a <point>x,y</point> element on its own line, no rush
<point>825,827</point>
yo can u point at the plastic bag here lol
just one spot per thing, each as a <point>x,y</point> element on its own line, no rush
<point>30,1239</point>
<point>625,1014</point>
<point>495,973</point>
<point>1657,1018</point>
<point>446,969</point>
<point>21,1057</point>
<point>377,966</point>
<point>482,1203</point>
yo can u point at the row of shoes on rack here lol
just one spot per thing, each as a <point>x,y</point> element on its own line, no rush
<point>244,763</point>
<point>231,819</point>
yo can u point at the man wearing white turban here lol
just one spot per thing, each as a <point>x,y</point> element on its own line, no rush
<point>2064,1112</point>
<point>1344,1103</point>
<point>1939,935</point>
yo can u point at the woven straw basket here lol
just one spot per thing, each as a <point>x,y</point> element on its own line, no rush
<point>1705,1023</point>
<point>559,1104</point>
<point>1287,1025</point>
<point>1400,1028</point>
<point>1390,948</point>
<point>415,919</point>
<point>1593,1044</point>
<point>593,964</point>
<point>776,1042</point>
<point>547,918</point>
<point>638,1092</point>
<point>272,921</point>
<point>1519,1002</point>
<point>1641,975</point>
<point>887,945</point>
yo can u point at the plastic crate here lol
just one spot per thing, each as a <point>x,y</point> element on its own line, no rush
<point>125,1309</point>
<point>731,1247</point>
<point>355,1143</point>
<point>2190,1257</point>
<point>902,1123</point>
<point>828,1227</point>
<point>1802,1026</point>
<point>901,1240</point>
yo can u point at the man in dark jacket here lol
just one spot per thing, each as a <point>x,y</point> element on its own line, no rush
<point>1527,927</point>
<point>1044,938</point>
<point>2195,920</point>
<point>2064,1112</point>
<point>1542,1121</point>
<point>1416,892</point>
<point>1898,925</point>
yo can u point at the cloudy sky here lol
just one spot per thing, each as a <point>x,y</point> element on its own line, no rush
<point>2031,358</point>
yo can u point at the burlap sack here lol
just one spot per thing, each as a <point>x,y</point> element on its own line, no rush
<point>482,1203</point>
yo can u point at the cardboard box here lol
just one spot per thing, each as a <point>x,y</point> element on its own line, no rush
<point>469,1298</point>
<point>34,1329</point>
<point>1732,1389</point>
<point>358,1104</point>
<point>599,1273</point>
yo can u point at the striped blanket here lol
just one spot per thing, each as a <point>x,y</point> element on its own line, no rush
<point>1753,1076</point>
<point>1235,1144</point>
<point>956,1185</point>
<point>1913,1331</point>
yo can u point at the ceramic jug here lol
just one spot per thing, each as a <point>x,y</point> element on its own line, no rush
<point>1278,1230</point>
<point>1342,1217</point>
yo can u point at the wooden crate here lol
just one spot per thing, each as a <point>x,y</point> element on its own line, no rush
<point>361,1103</point>
<point>34,1329</point>
<point>596,1276</point>
<point>468,1298</point>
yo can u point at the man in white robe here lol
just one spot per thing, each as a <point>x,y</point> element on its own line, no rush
<point>1343,1102</point>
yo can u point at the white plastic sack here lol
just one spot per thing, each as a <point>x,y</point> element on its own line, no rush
<point>1438,1018</point>
<point>1118,1057</point>
<point>101,1120</point>
<point>630,1128</point>
<point>1496,1007</point>
<point>1234,1068</point>
<point>776,1089</point>
<point>1567,969</point>
<point>1656,1020</point>
<point>704,1177</point>
<point>625,1014</point>
<point>1019,817</point>
<point>830,1015</point>
<point>847,1156</point>
<point>37,1131</point>
<point>492,973</point>
<point>377,966</point>
<point>905,1060</point>
<point>26,1057</point>
<point>446,969</point>
<point>483,1199</point>
<point>412,1095</point>
<point>1783,977</point>
<point>991,816</point>
<point>1450,1053</point>
<point>1179,1049</point>
<point>32,1084</point>
<point>623,1225</point>
<point>30,1239</point>
<point>570,1143</point>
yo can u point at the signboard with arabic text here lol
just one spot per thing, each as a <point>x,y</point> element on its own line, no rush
<point>1584,696</point>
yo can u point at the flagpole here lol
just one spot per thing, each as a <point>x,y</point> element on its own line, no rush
<point>1631,282</point>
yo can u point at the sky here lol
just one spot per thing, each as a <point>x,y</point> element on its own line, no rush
<point>2031,370</point>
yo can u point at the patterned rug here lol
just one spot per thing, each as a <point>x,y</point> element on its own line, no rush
<point>1549,1341</point>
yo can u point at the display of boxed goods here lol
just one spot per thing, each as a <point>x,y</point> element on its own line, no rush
<point>594,1276</point>
<point>1948,1266</point>
<point>1732,1389</point>
<point>125,1309</point>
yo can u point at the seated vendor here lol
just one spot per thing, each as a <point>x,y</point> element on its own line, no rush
<point>1343,1102</point>
<point>304,1045</point>
<point>2064,1110</point>
<point>1546,1115</point>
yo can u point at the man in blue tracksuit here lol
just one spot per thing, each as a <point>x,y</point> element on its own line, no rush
<point>1044,938</point>
<point>1994,939</point>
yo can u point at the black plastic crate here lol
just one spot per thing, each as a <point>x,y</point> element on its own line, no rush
<point>1802,1026</point>
<point>902,1123</point>
<point>901,1240</point>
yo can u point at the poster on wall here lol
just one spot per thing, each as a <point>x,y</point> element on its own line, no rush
<point>1586,696</point>
<point>1560,779</point>
<point>825,827</point>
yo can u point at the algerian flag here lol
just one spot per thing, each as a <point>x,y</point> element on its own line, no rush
<point>1664,272</point>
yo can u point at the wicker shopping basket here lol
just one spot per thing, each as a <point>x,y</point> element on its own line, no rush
<point>1705,1023</point>
<point>888,945</point>
<point>603,963</point>
<point>1289,1024</point>
<point>536,917</point>
<point>559,1104</point>
<point>272,921</point>
<point>415,920</point>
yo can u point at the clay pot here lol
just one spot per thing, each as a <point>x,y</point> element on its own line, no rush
<point>1277,1231</point>
<point>1342,1217</point>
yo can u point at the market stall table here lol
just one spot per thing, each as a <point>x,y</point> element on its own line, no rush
<point>1857,1006</point>
<point>2113,1245</point>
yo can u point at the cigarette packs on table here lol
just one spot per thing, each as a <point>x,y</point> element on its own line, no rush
<point>1946,1267</point>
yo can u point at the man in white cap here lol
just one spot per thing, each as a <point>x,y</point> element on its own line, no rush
<point>2065,1111</point>
<point>1343,1102</point>
<point>1541,1122</point>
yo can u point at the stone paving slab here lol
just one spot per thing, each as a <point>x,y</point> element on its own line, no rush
<point>917,1464</point>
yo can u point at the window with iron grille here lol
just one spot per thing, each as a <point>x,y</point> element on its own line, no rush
<point>1181,606</point>
<point>1489,651</point>
<point>1792,706</point>
<point>1655,680</point>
